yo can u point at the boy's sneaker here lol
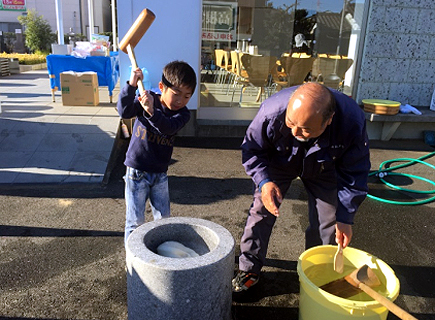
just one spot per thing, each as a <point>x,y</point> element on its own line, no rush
<point>244,280</point>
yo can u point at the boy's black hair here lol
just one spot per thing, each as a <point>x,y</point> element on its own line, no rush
<point>179,73</point>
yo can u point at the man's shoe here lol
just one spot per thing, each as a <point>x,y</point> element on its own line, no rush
<point>244,280</point>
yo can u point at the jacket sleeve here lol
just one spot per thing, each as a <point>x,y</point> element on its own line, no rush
<point>352,176</point>
<point>128,105</point>
<point>256,148</point>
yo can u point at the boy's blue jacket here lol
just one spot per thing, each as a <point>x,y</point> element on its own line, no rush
<point>152,139</point>
<point>341,153</point>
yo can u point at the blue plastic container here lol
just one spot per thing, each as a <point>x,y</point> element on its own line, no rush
<point>429,137</point>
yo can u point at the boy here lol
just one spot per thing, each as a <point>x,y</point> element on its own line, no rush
<point>159,118</point>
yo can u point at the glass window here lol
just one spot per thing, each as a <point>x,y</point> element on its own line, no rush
<point>254,48</point>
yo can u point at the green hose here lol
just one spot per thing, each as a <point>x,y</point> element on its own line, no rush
<point>383,171</point>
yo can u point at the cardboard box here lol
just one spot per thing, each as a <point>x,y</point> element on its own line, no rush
<point>79,88</point>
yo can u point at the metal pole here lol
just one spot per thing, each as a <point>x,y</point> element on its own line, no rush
<point>59,22</point>
<point>340,35</point>
<point>114,34</point>
<point>91,18</point>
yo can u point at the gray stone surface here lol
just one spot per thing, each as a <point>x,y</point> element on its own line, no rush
<point>164,288</point>
<point>398,54</point>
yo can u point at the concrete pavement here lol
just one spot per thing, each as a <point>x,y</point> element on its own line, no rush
<point>45,142</point>
<point>62,254</point>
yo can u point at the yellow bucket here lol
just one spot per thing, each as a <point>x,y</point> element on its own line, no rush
<point>315,268</point>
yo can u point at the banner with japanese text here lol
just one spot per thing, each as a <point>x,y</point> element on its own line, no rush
<point>219,21</point>
<point>13,5</point>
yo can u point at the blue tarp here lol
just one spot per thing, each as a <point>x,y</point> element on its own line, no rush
<point>107,68</point>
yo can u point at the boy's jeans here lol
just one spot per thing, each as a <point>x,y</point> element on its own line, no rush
<point>140,186</point>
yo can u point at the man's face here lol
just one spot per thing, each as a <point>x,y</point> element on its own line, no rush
<point>305,121</point>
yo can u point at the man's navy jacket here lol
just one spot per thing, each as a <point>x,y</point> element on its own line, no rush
<point>340,153</point>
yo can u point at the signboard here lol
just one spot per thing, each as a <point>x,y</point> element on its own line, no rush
<point>13,5</point>
<point>217,36</point>
<point>219,21</point>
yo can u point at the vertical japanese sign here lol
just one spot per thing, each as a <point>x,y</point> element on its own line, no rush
<point>13,5</point>
<point>218,21</point>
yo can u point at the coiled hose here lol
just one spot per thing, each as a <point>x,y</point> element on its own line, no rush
<point>384,171</point>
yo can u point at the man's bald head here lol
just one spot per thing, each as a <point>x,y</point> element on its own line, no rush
<point>309,111</point>
<point>314,98</point>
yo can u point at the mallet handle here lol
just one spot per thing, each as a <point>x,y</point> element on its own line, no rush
<point>134,67</point>
<point>402,314</point>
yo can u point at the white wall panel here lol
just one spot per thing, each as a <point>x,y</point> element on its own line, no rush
<point>174,35</point>
<point>70,12</point>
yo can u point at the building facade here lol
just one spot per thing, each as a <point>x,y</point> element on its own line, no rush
<point>74,15</point>
<point>382,49</point>
<point>245,50</point>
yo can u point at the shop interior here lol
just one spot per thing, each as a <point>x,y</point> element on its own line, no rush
<point>254,48</point>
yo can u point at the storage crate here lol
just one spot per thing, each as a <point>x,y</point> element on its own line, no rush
<point>4,67</point>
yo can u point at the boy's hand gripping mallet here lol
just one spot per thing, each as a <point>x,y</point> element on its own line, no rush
<point>133,36</point>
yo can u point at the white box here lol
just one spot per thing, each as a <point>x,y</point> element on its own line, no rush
<point>62,49</point>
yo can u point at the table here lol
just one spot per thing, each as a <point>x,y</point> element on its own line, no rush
<point>107,69</point>
<point>383,127</point>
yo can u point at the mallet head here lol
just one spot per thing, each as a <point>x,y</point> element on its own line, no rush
<point>137,30</point>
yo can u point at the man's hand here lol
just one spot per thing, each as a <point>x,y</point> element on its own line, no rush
<point>343,234</point>
<point>147,102</point>
<point>271,196</point>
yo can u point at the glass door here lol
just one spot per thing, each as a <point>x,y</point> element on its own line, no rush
<point>254,48</point>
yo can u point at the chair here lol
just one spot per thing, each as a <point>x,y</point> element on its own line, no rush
<point>229,75</point>
<point>279,78</point>
<point>291,71</point>
<point>300,55</point>
<point>220,64</point>
<point>234,60</point>
<point>227,60</point>
<point>257,70</point>
<point>239,73</point>
<point>236,64</point>
<point>300,67</point>
<point>223,63</point>
<point>332,65</point>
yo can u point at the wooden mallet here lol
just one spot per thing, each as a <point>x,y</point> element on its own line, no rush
<point>364,279</point>
<point>133,36</point>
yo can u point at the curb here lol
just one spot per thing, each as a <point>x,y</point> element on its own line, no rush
<point>30,67</point>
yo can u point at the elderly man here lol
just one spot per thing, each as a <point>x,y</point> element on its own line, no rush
<point>318,135</point>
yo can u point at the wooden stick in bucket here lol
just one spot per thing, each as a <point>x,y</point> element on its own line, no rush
<point>364,279</point>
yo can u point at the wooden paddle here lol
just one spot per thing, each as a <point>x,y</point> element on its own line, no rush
<point>364,279</point>
<point>338,259</point>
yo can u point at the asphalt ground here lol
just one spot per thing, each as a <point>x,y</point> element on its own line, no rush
<point>62,254</point>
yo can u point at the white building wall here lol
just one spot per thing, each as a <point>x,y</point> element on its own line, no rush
<point>103,14</point>
<point>70,14</point>
<point>174,35</point>
<point>399,53</point>
<point>71,17</point>
<point>47,9</point>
